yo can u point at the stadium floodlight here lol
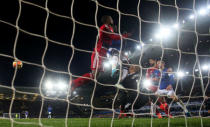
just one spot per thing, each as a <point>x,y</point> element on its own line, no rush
<point>110,62</point>
<point>205,67</point>
<point>107,64</point>
<point>138,47</point>
<point>191,16</point>
<point>146,83</point>
<point>202,12</point>
<point>61,85</point>
<point>164,32</point>
<point>180,74</point>
<point>126,53</point>
<point>49,85</point>
<point>158,35</point>
<point>176,26</point>
<point>150,39</point>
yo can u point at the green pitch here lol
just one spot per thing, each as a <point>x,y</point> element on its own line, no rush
<point>106,122</point>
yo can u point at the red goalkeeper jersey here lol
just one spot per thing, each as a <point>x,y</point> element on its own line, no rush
<point>105,38</point>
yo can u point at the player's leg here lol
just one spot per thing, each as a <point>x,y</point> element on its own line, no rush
<point>84,79</point>
<point>153,101</point>
<point>122,111</point>
<point>159,104</point>
<point>49,115</point>
<point>131,97</point>
<point>172,94</point>
<point>123,100</point>
<point>164,106</point>
<point>162,102</point>
<point>154,110</point>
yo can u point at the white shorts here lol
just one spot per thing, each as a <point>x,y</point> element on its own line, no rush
<point>163,92</point>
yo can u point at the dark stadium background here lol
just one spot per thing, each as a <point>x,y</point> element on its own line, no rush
<point>31,48</point>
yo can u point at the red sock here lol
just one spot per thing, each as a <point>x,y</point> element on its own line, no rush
<point>166,108</point>
<point>121,113</point>
<point>162,107</point>
<point>81,80</point>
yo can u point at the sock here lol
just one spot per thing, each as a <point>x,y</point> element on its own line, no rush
<point>162,107</point>
<point>154,109</point>
<point>121,111</point>
<point>166,108</point>
<point>182,106</point>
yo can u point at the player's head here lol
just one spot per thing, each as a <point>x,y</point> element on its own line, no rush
<point>170,69</point>
<point>134,69</point>
<point>160,64</point>
<point>152,62</point>
<point>106,19</point>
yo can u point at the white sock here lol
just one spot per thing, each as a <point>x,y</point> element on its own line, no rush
<point>183,107</point>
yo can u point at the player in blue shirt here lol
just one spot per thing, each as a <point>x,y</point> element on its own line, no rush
<point>165,87</point>
<point>49,110</point>
<point>26,114</point>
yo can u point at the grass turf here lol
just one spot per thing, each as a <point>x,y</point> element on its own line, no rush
<point>106,122</point>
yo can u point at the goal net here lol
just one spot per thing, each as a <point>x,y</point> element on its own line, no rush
<point>157,67</point>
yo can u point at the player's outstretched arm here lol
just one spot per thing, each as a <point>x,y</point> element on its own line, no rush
<point>113,36</point>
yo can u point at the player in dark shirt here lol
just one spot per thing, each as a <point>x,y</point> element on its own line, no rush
<point>129,92</point>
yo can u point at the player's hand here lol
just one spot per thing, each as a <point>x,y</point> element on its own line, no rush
<point>169,87</point>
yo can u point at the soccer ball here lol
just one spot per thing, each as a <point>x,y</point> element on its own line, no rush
<point>17,64</point>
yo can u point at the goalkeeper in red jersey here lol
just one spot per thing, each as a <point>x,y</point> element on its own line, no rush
<point>106,36</point>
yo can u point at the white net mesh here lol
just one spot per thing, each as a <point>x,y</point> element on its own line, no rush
<point>178,32</point>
